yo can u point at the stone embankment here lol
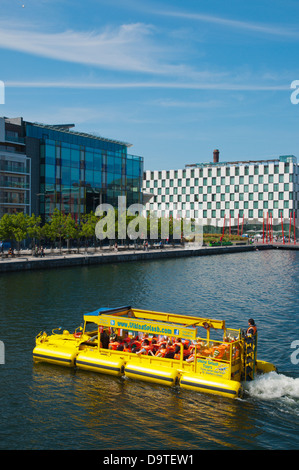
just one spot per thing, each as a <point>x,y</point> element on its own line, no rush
<point>56,259</point>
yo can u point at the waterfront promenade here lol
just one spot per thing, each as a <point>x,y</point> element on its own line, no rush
<point>63,258</point>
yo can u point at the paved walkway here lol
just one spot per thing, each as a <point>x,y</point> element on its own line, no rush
<point>57,259</point>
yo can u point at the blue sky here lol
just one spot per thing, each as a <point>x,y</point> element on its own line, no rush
<point>175,79</point>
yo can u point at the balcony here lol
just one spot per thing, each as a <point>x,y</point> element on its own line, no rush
<point>14,139</point>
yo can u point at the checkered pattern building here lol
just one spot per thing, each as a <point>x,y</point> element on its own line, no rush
<point>211,192</point>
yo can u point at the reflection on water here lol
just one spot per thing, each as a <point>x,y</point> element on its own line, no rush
<point>51,407</point>
<point>160,416</point>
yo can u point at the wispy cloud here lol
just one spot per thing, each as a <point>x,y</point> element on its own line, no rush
<point>274,30</point>
<point>224,86</point>
<point>125,48</point>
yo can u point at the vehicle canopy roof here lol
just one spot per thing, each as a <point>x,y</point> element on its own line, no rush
<point>151,322</point>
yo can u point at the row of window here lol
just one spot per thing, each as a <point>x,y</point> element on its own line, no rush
<point>68,157</point>
<point>213,214</point>
<point>7,197</point>
<point>75,204</point>
<point>51,174</point>
<point>273,187</point>
<point>223,171</point>
<point>8,181</point>
<point>227,205</point>
<point>213,182</point>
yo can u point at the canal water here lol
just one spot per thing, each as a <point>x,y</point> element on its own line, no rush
<point>51,407</point>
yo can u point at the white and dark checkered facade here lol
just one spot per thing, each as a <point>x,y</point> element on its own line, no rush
<point>237,191</point>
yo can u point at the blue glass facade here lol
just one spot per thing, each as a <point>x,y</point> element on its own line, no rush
<point>80,171</point>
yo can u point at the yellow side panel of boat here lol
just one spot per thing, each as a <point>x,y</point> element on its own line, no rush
<point>265,367</point>
<point>93,360</point>
<point>54,354</point>
<point>200,383</point>
<point>151,373</point>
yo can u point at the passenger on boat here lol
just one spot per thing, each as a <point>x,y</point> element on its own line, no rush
<point>136,343</point>
<point>177,351</point>
<point>154,346</point>
<point>104,338</point>
<point>121,345</point>
<point>198,347</point>
<point>169,350</point>
<point>252,328</point>
<point>154,339</point>
<point>114,342</point>
<point>145,347</point>
<point>162,350</point>
<point>126,347</point>
<point>134,348</point>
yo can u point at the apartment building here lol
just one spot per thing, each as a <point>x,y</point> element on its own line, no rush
<point>15,169</point>
<point>216,191</point>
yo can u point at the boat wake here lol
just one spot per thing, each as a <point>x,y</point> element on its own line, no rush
<point>273,385</point>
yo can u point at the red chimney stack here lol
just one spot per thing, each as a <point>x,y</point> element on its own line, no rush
<point>216,156</point>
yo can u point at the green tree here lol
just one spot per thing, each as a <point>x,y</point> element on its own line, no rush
<point>58,226</point>
<point>19,227</point>
<point>88,224</point>
<point>70,229</point>
<point>35,229</point>
<point>6,227</point>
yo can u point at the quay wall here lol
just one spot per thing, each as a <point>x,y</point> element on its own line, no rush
<point>24,263</point>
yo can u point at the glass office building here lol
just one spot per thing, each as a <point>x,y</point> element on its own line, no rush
<point>78,171</point>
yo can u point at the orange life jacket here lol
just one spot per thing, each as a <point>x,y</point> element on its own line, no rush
<point>251,327</point>
<point>161,352</point>
<point>219,351</point>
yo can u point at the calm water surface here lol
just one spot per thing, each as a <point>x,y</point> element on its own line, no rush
<point>50,407</point>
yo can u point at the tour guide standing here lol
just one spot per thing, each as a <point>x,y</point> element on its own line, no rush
<point>252,329</point>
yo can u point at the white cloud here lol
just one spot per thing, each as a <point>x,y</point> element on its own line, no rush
<point>204,85</point>
<point>126,48</point>
<point>274,30</point>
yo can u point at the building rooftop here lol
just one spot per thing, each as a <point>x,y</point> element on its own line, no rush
<point>67,129</point>
<point>281,158</point>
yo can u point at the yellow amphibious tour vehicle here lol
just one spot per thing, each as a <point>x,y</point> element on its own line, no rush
<point>176,350</point>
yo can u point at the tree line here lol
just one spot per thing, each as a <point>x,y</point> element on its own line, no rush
<point>17,227</point>
<point>61,228</point>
